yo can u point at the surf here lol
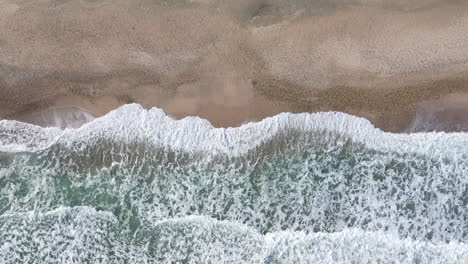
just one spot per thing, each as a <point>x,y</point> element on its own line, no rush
<point>298,180</point>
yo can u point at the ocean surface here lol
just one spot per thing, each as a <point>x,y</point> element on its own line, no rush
<point>136,186</point>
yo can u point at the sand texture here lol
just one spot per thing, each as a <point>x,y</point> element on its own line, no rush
<point>235,61</point>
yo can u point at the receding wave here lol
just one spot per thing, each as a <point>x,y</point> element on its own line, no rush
<point>137,184</point>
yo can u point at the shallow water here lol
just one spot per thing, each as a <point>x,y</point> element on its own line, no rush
<point>62,117</point>
<point>138,186</point>
<point>450,117</point>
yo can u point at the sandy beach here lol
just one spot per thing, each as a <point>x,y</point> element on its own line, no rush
<point>234,62</point>
<point>320,131</point>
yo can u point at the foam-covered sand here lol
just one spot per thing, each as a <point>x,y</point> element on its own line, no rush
<point>231,61</point>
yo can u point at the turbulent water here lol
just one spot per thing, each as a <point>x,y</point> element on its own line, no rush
<point>136,186</point>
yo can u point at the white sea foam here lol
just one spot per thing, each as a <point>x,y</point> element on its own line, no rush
<point>16,136</point>
<point>83,234</point>
<point>131,123</point>
<point>406,207</point>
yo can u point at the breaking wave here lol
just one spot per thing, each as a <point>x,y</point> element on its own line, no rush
<point>83,235</point>
<point>138,185</point>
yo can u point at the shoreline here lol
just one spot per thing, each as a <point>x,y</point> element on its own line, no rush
<point>231,63</point>
<point>389,107</point>
<point>450,113</point>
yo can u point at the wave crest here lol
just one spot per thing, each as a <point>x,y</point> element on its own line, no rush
<point>131,123</point>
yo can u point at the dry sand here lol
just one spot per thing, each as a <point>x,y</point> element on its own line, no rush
<point>234,61</point>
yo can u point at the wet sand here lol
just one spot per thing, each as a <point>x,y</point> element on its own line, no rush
<point>232,62</point>
<point>447,114</point>
<point>62,117</point>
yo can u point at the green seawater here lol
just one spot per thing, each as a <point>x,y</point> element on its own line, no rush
<point>111,201</point>
<point>105,195</point>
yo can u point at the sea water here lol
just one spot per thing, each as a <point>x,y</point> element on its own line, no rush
<point>136,186</point>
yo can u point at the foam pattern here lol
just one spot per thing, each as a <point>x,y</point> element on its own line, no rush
<point>83,235</point>
<point>137,184</point>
